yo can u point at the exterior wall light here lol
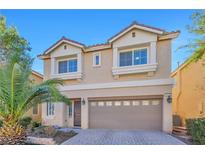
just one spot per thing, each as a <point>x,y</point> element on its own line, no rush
<point>169,99</point>
<point>83,101</point>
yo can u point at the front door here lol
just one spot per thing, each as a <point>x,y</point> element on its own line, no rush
<point>77,113</point>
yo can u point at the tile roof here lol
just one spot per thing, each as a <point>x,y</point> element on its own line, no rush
<point>107,43</point>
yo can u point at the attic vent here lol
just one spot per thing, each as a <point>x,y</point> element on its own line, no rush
<point>133,34</point>
<point>65,47</point>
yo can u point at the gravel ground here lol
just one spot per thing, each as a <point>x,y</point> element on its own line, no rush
<point>119,137</point>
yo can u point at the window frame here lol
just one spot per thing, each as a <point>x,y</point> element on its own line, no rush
<point>76,65</point>
<point>70,110</point>
<point>133,50</point>
<point>67,61</point>
<point>47,109</point>
<point>94,59</point>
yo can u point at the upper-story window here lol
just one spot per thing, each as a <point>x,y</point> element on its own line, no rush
<point>133,57</point>
<point>67,66</point>
<point>96,59</point>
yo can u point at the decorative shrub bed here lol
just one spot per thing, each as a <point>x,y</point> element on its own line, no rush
<point>196,128</point>
<point>48,135</point>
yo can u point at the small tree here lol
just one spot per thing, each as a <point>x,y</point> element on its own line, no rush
<point>198,29</point>
<point>17,92</point>
<point>17,95</point>
<point>13,47</point>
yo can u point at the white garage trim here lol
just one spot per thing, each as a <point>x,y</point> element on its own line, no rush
<point>123,84</point>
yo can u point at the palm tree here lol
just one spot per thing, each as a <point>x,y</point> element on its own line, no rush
<point>17,95</point>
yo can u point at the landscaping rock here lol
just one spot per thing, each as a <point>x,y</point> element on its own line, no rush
<point>48,135</point>
<point>37,140</point>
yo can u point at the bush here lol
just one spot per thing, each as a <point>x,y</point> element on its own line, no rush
<point>25,121</point>
<point>196,128</point>
<point>1,123</point>
<point>36,124</point>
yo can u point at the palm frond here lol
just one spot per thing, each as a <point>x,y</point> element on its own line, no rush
<point>18,94</point>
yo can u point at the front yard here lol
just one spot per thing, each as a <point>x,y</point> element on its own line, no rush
<point>48,135</point>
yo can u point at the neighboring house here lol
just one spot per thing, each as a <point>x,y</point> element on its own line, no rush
<point>189,91</point>
<point>122,84</point>
<point>35,112</point>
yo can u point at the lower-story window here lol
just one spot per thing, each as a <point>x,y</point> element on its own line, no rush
<point>35,109</point>
<point>70,110</point>
<point>50,109</point>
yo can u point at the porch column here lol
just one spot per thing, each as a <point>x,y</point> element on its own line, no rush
<point>79,62</point>
<point>153,53</point>
<point>166,114</point>
<point>84,113</point>
<point>115,58</point>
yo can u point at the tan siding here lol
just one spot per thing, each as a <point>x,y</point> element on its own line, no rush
<point>47,69</point>
<point>188,96</point>
<point>36,117</point>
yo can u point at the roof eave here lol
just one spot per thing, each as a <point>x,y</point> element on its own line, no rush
<point>171,35</point>
<point>160,32</point>
<point>37,74</point>
<point>97,48</point>
<point>60,42</point>
<point>43,56</point>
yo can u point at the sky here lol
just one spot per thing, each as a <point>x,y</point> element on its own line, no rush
<point>42,28</point>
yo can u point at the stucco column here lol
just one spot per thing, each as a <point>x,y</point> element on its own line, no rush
<point>153,52</point>
<point>52,66</point>
<point>84,114</point>
<point>115,63</point>
<point>79,57</point>
<point>167,114</point>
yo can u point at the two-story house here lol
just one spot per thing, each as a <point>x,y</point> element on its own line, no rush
<point>122,84</point>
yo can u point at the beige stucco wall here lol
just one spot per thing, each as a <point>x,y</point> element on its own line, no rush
<point>141,37</point>
<point>103,73</point>
<point>134,91</point>
<point>36,117</point>
<point>188,93</point>
<point>47,69</point>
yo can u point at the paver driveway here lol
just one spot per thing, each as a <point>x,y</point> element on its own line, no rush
<point>119,137</point>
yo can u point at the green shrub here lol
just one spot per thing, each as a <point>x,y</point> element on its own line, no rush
<point>25,121</point>
<point>1,123</point>
<point>196,128</point>
<point>36,124</point>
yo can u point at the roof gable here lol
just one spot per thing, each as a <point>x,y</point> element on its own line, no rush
<point>136,26</point>
<point>64,40</point>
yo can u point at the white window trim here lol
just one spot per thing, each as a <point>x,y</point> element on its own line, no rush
<point>121,84</point>
<point>132,50</point>
<point>133,69</point>
<point>94,59</point>
<point>66,59</point>
<point>69,75</point>
<point>50,116</point>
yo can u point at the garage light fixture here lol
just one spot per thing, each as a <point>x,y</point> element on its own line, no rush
<point>169,99</point>
<point>83,101</point>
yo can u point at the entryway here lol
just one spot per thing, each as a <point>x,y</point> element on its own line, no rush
<point>77,113</point>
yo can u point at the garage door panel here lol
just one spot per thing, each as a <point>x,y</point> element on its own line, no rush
<point>140,116</point>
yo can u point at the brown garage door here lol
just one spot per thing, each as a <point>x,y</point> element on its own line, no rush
<point>136,114</point>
